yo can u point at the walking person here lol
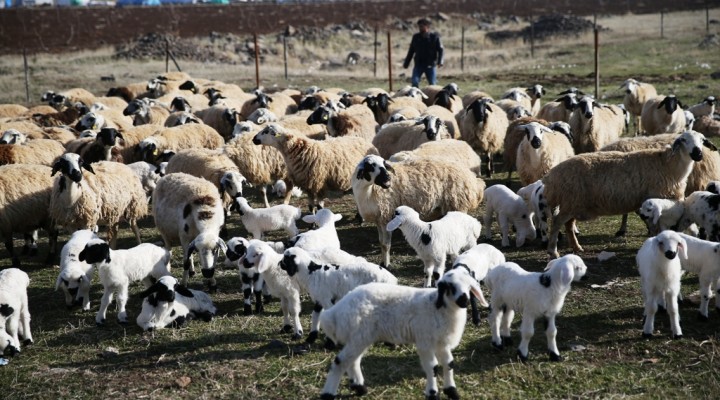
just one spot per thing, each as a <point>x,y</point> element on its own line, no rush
<point>428,51</point>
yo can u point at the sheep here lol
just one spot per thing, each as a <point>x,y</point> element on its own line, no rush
<point>66,117</point>
<point>608,183</point>
<point>447,98</point>
<point>312,101</point>
<point>518,96</point>
<point>707,126</point>
<point>188,211</point>
<point>76,276</point>
<point>261,116</point>
<point>166,294</point>
<point>103,147</point>
<point>484,126</point>
<point>447,117</point>
<point>67,98</point>
<point>559,110</point>
<point>636,95</point>
<point>662,114</point>
<point>703,260</point>
<point>181,118</point>
<point>328,283</point>
<point>405,114</point>
<point>534,295</point>
<point>432,319</point>
<point>661,214</point>
<point>24,203</point>
<point>475,95</point>
<point>429,186</point>
<point>117,268</point>
<point>478,260</point>
<point>279,284</point>
<point>129,92</point>
<point>279,189</point>
<point>354,121</point>
<point>713,187</point>
<point>705,107</point>
<point>148,174</point>
<point>594,125</point>
<point>280,104</point>
<point>260,220</point>
<point>325,236</point>
<point>179,138</point>
<point>701,208</point>
<point>411,91</point>
<point>111,194</point>
<point>298,123</point>
<point>12,110</point>
<point>13,136</point>
<point>408,135</point>
<point>510,209</point>
<point>15,321</point>
<point>220,118</point>
<point>250,278</point>
<point>450,150</point>
<point>316,166</point>
<point>37,151</point>
<point>143,112</point>
<point>514,135</point>
<point>383,106</point>
<point>541,150</point>
<point>434,241</point>
<point>431,92</point>
<point>660,270</point>
<point>104,119</point>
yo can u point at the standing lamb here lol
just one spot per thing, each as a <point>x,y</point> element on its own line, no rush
<point>14,312</point>
<point>260,220</point>
<point>703,259</point>
<point>510,208</point>
<point>76,276</point>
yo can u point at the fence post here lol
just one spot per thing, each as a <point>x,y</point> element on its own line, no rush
<point>707,17</point>
<point>257,62</point>
<point>597,62</point>
<point>389,47</point>
<point>285,55</point>
<point>662,25</point>
<point>27,78</point>
<point>532,36</point>
<point>375,46</point>
<point>462,49</point>
<point>167,55</point>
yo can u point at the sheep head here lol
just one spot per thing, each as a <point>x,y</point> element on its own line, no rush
<point>236,249</point>
<point>294,258</point>
<point>271,135</point>
<point>374,169</point>
<point>321,115</point>
<point>208,246</point>
<point>458,286</point>
<point>564,270</point>
<point>670,244</point>
<point>180,104</point>
<point>108,137</point>
<point>671,103</point>
<point>69,165</point>
<point>231,183</point>
<point>13,136</point>
<point>479,109</point>
<point>95,251</point>
<point>534,132</point>
<point>402,214</point>
<point>322,217</point>
<point>433,126</point>
<point>536,91</point>
<point>692,142</point>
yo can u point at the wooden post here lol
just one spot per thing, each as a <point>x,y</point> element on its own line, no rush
<point>27,78</point>
<point>707,18</point>
<point>597,63</point>
<point>389,47</point>
<point>257,62</point>
<point>172,57</point>
<point>662,25</point>
<point>167,55</point>
<point>375,46</point>
<point>285,55</point>
<point>462,49</point>
<point>532,36</point>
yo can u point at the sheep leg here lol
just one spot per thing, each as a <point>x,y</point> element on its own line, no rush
<point>550,334</point>
<point>188,265</point>
<point>257,288</point>
<point>429,267</point>
<point>288,194</point>
<point>527,330</point>
<point>112,235</point>
<point>247,293</point>
<point>30,246</point>
<point>104,303</point>
<point>504,229</point>
<point>287,328</point>
<point>52,245</point>
<point>557,221</point>
<point>623,226</point>
<point>345,359</point>
<point>25,323</point>
<point>136,231</point>
<point>672,310</point>
<point>507,319</point>
<point>651,307</point>
<point>487,221</point>
<point>83,295</point>
<point>9,247</point>
<point>357,381</point>
<point>572,237</point>
<point>429,365</point>
<point>121,301</point>
<point>716,289</point>
<point>294,310</point>
<point>314,323</point>
<point>705,292</point>
<point>438,269</point>
<point>385,241</point>
<point>12,326</point>
<point>496,313</point>
<point>445,357</point>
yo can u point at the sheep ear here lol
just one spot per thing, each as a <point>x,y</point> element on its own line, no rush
<point>55,168</point>
<point>394,224</point>
<point>310,219</point>
<point>87,166</point>
<point>476,291</point>
<point>388,166</point>
<point>662,103</point>
<point>566,275</point>
<point>182,290</point>
<point>337,217</point>
<point>656,215</point>
<point>147,292</point>
<point>261,264</point>
<point>709,145</point>
<point>442,288</point>
<point>682,245</point>
<point>222,245</point>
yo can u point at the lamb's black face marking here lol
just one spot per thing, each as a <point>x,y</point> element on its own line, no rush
<point>95,253</point>
<point>669,254</point>
<point>713,201</point>
<point>187,210</point>
<point>186,228</point>
<point>289,265</point>
<point>317,308</point>
<point>6,310</point>
<point>313,267</point>
<point>235,253</point>
<point>545,280</point>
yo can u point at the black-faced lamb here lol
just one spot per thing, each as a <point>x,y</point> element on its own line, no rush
<point>14,311</point>
<point>435,241</point>
<point>165,302</point>
<point>510,209</point>
<point>432,319</point>
<point>534,295</point>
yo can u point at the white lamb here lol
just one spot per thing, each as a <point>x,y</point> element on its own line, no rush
<point>260,220</point>
<point>661,214</point>
<point>76,276</point>
<point>660,272</point>
<point>324,236</point>
<point>328,283</point>
<point>510,209</point>
<point>703,259</point>
<point>117,268</point>
<point>166,300</point>
<point>279,189</point>
<point>434,241</point>
<point>480,259</point>
<point>14,312</point>
<point>701,208</point>
<point>432,319</point>
<point>534,295</point>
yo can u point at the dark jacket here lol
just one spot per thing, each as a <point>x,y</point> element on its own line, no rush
<point>428,50</point>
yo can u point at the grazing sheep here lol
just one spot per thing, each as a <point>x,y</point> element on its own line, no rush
<point>609,183</point>
<point>36,151</point>
<point>510,209</point>
<point>188,211</point>
<point>434,241</point>
<point>190,136</point>
<point>14,311</point>
<point>260,220</point>
<point>76,276</point>
<point>432,319</point>
<point>316,166</point>
<point>636,95</point>
<point>534,295</point>
<point>103,147</point>
<point>67,98</point>
<point>328,283</point>
<point>431,187</point>
<point>220,118</point>
<point>660,271</point>
<point>541,150</point>
<point>109,118</point>
<point>354,121</point>
<point>662,114</point>
<point>166,297</point>
<point>595,125</point>
<point>478,260</point>
<point>484,126</point>
<point>559,110</point>
<point>110,194</point>
<point>449,150</point>
<point>408,135</point>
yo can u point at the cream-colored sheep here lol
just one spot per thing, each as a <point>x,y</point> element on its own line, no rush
<point>408,135</point>
<point>356,120</point>
<point>449,150</point>
<point>36,151</point>
<point>383,106</point>
<point>189,136</point>
<point>220,118</point>
<point>594,125</point>
<point>541,150</point>
<point>662,114</point>
<point>280,104</point>
<point>143,112</point>
<point>636,94</point>
<point>12,110</point>
<point>560,109</point>
<point>484,126</point>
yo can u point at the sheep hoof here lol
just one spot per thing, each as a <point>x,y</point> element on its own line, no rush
<point>11,351</point>
<point>212,288</point>
<point>677,337</point>
<point>452,393</point>
<point>121,322</point>
<point>432,396</point>
<point>523,358</point>
<point>259,309</point>
<point>554,357</point>
<point>661,310</point>
<point>476,321</point>
<point>312,337</point>
<point>620,233</point>
<point>296,336</point>
<point>498,346</point>
<point>15,262</point>
<point>329,344</point>
<point>702,317</point>
<point>360,390</point>
<point>191,273</point>
<point>358,219</point>
<point>506,340</point>
<point>247,309</point>
<point>100,323</point>
<point>267,298</point>
<point>647,335</point>
<point>327,396</point>
<point>287,328</point>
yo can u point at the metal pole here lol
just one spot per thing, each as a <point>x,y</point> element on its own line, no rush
<point>375,46</point>
<point>597,63</point>
<point>389,47</point>
<point>257,62</point>
<point>662,25</point>
<point>27,78</point>
<point>167,55</point>
<point>285,55</point>
<point>462,49</point>
<point>532,36</point>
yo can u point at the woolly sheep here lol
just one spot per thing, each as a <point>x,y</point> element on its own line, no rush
<point>354,121</point>
<point>278,103</point>
<point>484,126</point>
<point>110,194</point>
<point>588,185</point>
<point>705,107</point>
<point>148,174</point>
<point>450,150</point>
<point>434,241</point>
<point>534,196</point>
<point>260,220</point>
<point>220,118</point>
<point>118,268</point>
<point>408,135</point>
<point>510,209</point>
<point>325,236</point>
<point>559,110</point>
<point>76,276</point>
<point>636,95</point>
<point>328,283</point>
<point>181,118</point>
<point>316,166</point>
<point>541,150</point>
<point>432,319</point>
<point>475,95</point>
<point>662,114</point>
<point>383,106</point>
<point>431,92</point>
<point>178,138</point>
<point>165,294</point>
<point>14,311</point>
<point>104,119</point>
<point>594,125</point>
<point>447,98</point>
<point>13,136</point>
<point>188,211</point>
<point>37,151</point>
<point>661,214</point>
<point>689,120</point>
<point>660,271</point>
<point>429,186</point>
<point>447,117</point>
<point>478,260</point>
<point>102,147</point>
<point>143,112</point>
<point>514,135</point>
<point>534,295</point>
<point>708,126</point>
